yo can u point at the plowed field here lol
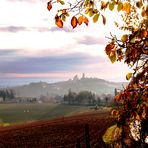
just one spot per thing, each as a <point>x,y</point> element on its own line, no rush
<point>58,133</point>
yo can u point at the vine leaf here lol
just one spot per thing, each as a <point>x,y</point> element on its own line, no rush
<point>95,18</point>
<point>86,21</point>
<point>103,19</point>
<point>119,7</point>
<point>59,23</point>
<point>49,5</point>
<point>128,76</point>
<point>74,22</point>
<point>80,20</point>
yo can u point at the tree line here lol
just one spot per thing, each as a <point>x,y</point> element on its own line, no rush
<point>87,98</point>
<point>7,94</point>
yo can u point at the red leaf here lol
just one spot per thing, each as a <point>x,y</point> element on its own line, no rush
<point>49,5</point>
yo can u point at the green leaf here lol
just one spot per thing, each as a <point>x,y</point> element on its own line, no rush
<point>111,6</point>
<point>95,18</point>
<point>62,2</point>
<point>67,14</point>
<point>119,7</point>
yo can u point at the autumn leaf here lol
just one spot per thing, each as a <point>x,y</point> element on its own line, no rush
<point>87,10</point>
<point>103,19</point>
<point>132,40</point>
<point>62,2</point>
<point>128,76</point>
<point>109,48</point>
<point>80,20</point>
<point>137,117</point>
<point>91,13</point>
<point>95,18</point>
<point>119,7</point>
<point>127,7</point>
<point>74,22</point>
<point>103,5</point>
<point>139,4</point>
<point>144,114</point>
<point>49,5</point>
<point>112,56</point>
<point>64,11</point>
<point>144,34</point>
<point>86,21</point>
<point>124,38</point>
<point>117,25</point>
<point>59,23</point>
<point>111,6</point>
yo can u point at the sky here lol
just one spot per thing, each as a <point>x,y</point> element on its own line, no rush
<point>33,49</point>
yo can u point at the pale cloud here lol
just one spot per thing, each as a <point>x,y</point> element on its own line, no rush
<point>13,29</point>
<point>33,47</point>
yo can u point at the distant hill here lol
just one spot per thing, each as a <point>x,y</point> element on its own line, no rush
<point>95,85</point>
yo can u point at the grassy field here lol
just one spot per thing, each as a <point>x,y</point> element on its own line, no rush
<point>20,113</point>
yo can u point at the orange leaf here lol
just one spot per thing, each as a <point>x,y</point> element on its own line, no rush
<point>86,21</point>
<point>80,20</point>
<point>59,23</point>
<point>74,22</point>
<point>49,5</point>
<point>126,7</point>
<point>64,11</point>
<point>109,48</point>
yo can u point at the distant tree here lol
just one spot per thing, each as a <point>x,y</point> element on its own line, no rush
<point>3,95</point>
<point>11,94</point>
<point>98,100</point>
<point>71,97</point>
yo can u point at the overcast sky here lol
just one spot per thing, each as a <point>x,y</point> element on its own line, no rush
<point>32,48</point>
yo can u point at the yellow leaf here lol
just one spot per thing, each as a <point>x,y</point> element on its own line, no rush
<point>104,19</point>
<point>112,56</point>
<point>111,6</point>
<point>74,22</point>
<point>124,38</point>
<point>132,40</point>
<point>95,18</point>
<point>128,76</point>
<point>91,13</point>
<point>87,10</point>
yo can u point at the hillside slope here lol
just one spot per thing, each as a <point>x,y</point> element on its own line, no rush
<point>95,85</point>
